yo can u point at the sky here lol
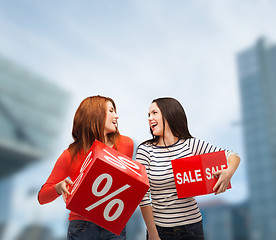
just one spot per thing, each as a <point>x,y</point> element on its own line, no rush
<point>134,52</point>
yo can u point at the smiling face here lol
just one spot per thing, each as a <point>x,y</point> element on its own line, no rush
<point>155,120</point>
<point>111,119</point>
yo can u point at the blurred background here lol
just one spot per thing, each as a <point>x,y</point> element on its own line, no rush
<point>216,57</point>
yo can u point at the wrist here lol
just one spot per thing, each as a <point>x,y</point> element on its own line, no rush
<point>153,234</point>
<point>231,171</point>
<point>57,189</point>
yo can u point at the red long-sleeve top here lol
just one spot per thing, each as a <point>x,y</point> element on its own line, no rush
<point>65,167</point>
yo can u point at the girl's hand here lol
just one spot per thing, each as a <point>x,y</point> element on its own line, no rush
<point>224,177</point>
<point>226,174</point>
<point>62,188</point>
<point>154,238</point>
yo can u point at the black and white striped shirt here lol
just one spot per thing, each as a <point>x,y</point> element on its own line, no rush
<point>168,210</point>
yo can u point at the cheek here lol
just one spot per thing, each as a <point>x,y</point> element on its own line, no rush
<point>107,121</point>
<point>108,116</point>
<point>160,121</point>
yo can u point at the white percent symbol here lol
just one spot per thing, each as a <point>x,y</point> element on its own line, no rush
<point>122,162</point>
<point>103,192</point>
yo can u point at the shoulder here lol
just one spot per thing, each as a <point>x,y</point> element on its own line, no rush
<point>192,141</point>
<point>64,160</point>
<point>124,140</point>
<point>65,155</point>
<point>145,147</point>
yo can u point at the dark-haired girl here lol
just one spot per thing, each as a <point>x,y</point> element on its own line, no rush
<point>166,216</point>
<point>95,118</point>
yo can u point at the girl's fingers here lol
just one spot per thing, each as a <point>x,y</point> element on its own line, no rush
<point>222,183</point>
<point>65,190</point>
<point>217,185</point>
<point>64,195</point>
<point>217,173</point>
<point>221,189</point>
<point>67,180</point>
<point>63,187</point>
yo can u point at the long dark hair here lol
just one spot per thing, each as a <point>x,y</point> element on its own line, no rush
<point>89,123</point>
<point>173,112</point>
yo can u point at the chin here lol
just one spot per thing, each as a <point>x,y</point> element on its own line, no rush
<point>156,134</point>
<point>112,131</point>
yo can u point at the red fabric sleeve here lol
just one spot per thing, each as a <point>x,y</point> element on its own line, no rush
<point>60,171</point>
<point>64,168</point>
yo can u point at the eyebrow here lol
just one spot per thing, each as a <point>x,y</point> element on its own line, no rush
<point>155,109</point>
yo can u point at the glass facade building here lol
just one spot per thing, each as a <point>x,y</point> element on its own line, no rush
<point>31,115</point>
<point>257,79</point>
<point>225,221</point>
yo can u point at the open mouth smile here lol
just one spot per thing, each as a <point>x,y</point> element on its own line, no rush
<point>153,125</point>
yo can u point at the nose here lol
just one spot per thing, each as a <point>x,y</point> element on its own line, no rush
<point>116,116</point>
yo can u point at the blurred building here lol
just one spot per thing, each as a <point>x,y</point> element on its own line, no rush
<point>224,221</point>
<point>36,232</point>
<point>31,114</point>
<point>257,78</point>
<point>136,228</point>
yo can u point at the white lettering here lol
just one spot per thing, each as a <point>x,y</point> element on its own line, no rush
<point>76,182</point>
<point>185,178</point>
<point>179,178</point>
<point>192,180</point>
<point>122,162</point>
<point>198,175</point>
<point>86,162</point>
<point>97,183</point>
<point>115,162</point>
<point>208,173</point>
<point>213,171</point>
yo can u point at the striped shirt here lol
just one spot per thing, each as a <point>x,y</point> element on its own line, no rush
<point>168,210</point>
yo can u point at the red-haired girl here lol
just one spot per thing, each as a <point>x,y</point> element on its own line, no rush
<point>95,119</point>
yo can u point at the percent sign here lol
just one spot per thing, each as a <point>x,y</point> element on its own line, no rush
<point>122,162</point>
<point>102,192</point>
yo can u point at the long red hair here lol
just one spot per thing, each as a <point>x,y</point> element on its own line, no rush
<point>89,124</point>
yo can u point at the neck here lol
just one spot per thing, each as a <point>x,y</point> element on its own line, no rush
<point>169,139</point>
<point>107,142</point>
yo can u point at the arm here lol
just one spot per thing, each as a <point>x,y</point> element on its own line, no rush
<point>143,157</point>
<point>149,220</point>
<point>57,182</point>
<point>200,147</point>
